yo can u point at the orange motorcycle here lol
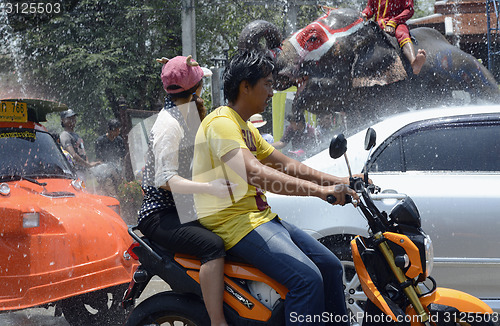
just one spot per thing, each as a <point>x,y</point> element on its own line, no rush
<point>395,261</point>
<point>394,265</point>
<point>59,245</point>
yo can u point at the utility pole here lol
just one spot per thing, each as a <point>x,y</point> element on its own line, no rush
<point>188,28</point>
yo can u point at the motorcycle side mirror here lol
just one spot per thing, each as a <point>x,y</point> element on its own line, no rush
<point>370,139</point>
<point>338,146</point>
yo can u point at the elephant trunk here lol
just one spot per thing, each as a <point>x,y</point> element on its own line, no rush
<point>250,39</point>
<point>252,34</point>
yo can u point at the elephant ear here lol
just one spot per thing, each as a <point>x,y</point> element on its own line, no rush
<point>378,61</point>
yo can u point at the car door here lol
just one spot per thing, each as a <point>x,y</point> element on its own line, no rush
<point>451,169</point>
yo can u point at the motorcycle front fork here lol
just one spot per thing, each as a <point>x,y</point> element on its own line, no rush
<point>410,290</point>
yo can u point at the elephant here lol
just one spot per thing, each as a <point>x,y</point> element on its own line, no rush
<point>342,63</point>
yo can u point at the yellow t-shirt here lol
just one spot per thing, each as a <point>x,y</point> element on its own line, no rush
<point>235,216</point>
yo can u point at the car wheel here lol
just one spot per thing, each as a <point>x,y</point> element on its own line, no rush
<point>168,308</point>
<point>101,307</point>
<point>340,245</point>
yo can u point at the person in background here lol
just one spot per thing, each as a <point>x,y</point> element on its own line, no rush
<point>258,121</point>
<point>391,16</point>
<point>110,149</point>
<point>325,124</point>
<point>228,144</point>
<point>324,129</point>
<point>73,143</point>
<point>300,134</point>
<point>167,215</point>
<point>56,138</point>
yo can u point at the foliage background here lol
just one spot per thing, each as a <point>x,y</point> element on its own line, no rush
<point>96,53</point>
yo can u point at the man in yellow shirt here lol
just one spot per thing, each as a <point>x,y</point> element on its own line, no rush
<point>230,147</point>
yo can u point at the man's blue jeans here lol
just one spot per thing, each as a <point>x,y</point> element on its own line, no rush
<point>311,272</point>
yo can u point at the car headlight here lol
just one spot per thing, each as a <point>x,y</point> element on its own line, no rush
<point>429,255</point>
<point>4,189</point>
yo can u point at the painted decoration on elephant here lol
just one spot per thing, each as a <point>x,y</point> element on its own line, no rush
<point>317,38</point>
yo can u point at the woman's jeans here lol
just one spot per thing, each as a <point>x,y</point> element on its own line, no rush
<point>311,272</point>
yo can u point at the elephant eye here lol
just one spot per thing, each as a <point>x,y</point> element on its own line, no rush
<point>312,37</point>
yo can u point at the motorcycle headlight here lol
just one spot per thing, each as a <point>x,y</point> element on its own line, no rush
<point>429,255</point>
<point>406,212</point>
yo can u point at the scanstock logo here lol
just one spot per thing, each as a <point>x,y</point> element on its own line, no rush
<point>247,303</point>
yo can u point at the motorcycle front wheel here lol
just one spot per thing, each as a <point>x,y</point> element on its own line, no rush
<point>340,245</point>
<point>169,308</point>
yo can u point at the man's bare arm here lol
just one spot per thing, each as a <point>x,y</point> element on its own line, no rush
<point>78,159</point>
<point>283,163</point>
<point>271,179</point>
<point>278,144</point>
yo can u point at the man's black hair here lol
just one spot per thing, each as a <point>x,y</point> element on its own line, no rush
<point>245,65</point>
<point>114,124</point>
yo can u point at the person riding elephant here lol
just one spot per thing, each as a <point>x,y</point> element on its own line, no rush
<point>392,19</point>
<point>341,63</point>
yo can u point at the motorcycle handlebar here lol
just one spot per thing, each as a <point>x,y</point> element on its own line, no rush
<point>388,196</point>
<point>332,199</point>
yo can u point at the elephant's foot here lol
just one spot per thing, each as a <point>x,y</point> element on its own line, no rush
<point>419,61</point>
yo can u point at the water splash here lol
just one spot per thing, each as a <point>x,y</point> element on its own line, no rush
<point>13,47</point>
<point>457,22</point>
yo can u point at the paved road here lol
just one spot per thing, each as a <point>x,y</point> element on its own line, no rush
<point>45,317</point>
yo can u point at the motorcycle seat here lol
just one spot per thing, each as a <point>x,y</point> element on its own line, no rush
<point>162,251</point>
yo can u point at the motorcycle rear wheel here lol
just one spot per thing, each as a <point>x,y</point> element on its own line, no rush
<point>169,308</point>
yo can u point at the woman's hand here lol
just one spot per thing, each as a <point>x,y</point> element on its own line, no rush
<point>221,188</point>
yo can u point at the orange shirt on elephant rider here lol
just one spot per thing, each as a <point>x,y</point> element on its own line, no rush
<point>391,16</point>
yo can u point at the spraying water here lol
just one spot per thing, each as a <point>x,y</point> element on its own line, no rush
<point>457,22</point>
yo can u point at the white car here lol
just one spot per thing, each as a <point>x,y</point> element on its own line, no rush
<point>448,161</point>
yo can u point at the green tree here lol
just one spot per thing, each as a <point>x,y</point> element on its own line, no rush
<point>99,52</point>
<point>96,52</point>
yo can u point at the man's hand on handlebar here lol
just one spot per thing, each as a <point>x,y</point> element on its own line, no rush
<point>340,194</point>
<point>346,180</point>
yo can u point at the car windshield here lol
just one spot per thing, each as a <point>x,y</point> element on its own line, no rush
<point>31,153</point>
